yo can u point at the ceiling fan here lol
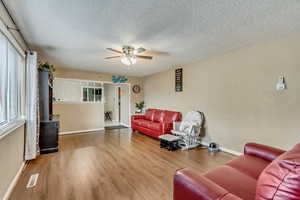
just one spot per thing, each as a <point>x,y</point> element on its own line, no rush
<point>129,54</point>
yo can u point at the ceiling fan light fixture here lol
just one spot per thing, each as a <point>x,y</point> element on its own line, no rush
<point>128,60</point>
<point>129,55</point>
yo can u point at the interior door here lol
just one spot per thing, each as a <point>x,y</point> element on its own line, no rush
<point>125,104</point>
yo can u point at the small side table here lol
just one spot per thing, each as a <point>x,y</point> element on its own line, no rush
<point>169,142</point>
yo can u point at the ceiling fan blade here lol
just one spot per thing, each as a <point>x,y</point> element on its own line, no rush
<point>112,57</point>
<point>139,50</point>
<point>159,53</point>
<point>114,50</point>
<point>145,57</point>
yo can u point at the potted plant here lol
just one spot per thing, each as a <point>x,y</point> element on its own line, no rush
<point>140,106</point>
<point>45,66</point>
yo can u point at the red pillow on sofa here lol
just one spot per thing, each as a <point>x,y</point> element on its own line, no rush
<point>281,179</point>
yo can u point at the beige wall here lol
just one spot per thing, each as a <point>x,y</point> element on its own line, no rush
<point>79,116</point>
<point>11,157</point>
<point>237,94</point>
<point>86,75</point>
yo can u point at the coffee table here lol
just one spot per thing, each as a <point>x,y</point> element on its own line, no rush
<point>169,142</point>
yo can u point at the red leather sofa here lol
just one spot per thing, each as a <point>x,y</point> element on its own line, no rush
<point>262,173</point>
<point>155,122</point>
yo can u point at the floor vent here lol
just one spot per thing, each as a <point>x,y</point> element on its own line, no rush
<point>32,181</point>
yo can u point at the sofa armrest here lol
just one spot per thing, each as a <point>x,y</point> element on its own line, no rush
<point>262,151</point>
<point>189,185</point>
<point>133,117</point>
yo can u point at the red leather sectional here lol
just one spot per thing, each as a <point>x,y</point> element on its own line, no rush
<point>262,173</point>
<point>155,122</point>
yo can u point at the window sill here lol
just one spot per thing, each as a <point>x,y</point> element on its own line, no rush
<point>7,129</point>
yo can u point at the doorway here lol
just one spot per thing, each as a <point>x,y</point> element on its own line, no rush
<point>116,104</point>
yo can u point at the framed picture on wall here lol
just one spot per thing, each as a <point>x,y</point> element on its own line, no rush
<point>178,80</point>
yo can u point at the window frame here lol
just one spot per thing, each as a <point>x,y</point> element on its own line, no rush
<point>13,80</point>
<point>10,124</point>
<point>91,87</point>
<point>5,98</point>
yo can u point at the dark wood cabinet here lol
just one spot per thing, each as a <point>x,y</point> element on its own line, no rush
<point>49,128</point>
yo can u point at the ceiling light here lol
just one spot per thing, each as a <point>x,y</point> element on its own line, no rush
<point>128,60</point>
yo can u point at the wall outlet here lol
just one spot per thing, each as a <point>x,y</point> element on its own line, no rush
<point>281,83</point>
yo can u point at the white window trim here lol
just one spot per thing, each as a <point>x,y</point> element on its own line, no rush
<point>94,101</point>
<point>11,125</point>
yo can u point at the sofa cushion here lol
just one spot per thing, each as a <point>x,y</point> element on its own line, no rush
<point>141,122</point>
<point>171,116</point>
<point>250,165</point>
<point>234,181</point>
<point>281,179</point>
<point>154,126</point>
<point>149,115</point>
<point>136,120</point>
<point>159,116</point>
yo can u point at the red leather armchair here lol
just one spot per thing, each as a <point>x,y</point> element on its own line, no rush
<point>262,173</point>
<point>155,122</point>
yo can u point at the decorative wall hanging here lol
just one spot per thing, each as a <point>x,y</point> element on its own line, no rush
<point>136,89</point>
<point>119,79</point>
<point>178,80</point>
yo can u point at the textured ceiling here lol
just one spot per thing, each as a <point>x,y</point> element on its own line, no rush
<point>75,33</point>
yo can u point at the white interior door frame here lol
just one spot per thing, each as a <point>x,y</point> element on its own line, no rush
<point>118,85</point>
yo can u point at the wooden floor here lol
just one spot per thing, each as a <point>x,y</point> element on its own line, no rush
<point>112,165</point>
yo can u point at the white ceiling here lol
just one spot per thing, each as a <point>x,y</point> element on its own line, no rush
<point>75,33</point>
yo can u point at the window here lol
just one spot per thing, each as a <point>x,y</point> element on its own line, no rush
<point>91,94</point>
<point>3,79</point>
<point>12,86</point>
<point>98,94</point>
<point>80,91</point>
<point>13,64</point>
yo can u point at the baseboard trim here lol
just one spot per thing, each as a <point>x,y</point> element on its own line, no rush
<point>236,153</point>
<point>13,183</point>
<point>125,125</point>
<point>80,131</point>
<point>204,143</point>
